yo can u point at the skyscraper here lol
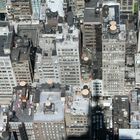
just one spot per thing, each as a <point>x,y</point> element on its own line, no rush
<point>67,46</point>
<point>77,112</point>
<point>7,77</point>
<point>113,53</point>
<point>21,60</point>
<point>92,42</point>
<point>19,10</point>
<point>47,65</point>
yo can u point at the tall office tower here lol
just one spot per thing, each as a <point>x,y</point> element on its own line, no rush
<point>127,6</point>
<point>67,46</point>
<point>35,9</point>
<point>21,60</point>
<point>113,52</point>
<point>113,67</point>
<point>49,113</point>
<point>7,77</point>
<point>47,65</point>
<point>77,112</point>
<point>77,7</point>
<point>21,111</point>
<point>19,10</point>
<point>92,42</point>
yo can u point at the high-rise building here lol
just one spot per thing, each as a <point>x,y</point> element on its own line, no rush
<point>22,111</point>
<point>7,77</point>
<point>19,10</point>
<point>127,5</point>
<point>35,9</point>
<point>21,60</point>
<point>49,113</point>
<point>77,112</point>
<point>121,112</point>
<point>41,109</point>
<point>92,42</point>
<point>67,46</point>
<point>113,70</point>
<point>58,53</point>
<point>47,65</point>
<point>113,53</point>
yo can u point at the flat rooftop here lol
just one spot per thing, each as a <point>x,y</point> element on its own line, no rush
<point>91,16</point>
<point>20,54</point>
<point>55,98</point>
<point>22,104</point>
<point>30,31</point>
<point>91,3</point>
<point>78,104</point>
